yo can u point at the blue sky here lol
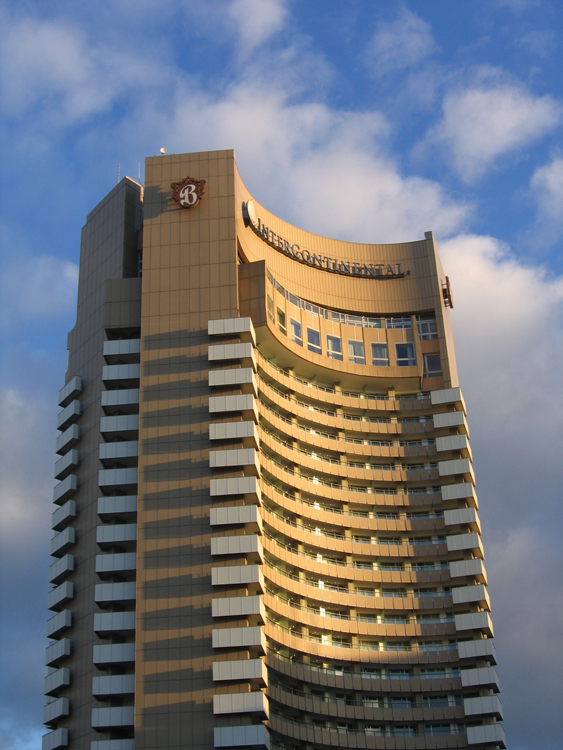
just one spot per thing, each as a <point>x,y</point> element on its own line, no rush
<point>363,120</point>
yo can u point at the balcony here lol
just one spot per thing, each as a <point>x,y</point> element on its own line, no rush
<point>58,623</point>
<point>125,425</point>
<point>447,396</point>
<point>242,458</point>
<point>253,670</point>
<point>108,593</point>
<point>250,637</point>
<point>239,606</point>
<point>461,491</point>
<point>124,401</point>
<point>61,568</point>
<point>239,575</point>
<point>60,595</point>
<point>123,350</point>
<point>231,327</point>
<point>57,651</point>
<point>463,517</point>
<point>114,653</point>
<point>128,744</point>
<point>127,375</point>
<point>451,419</point>
<point>242,376</point>
<point>112,478</point>
<point>457,467</point>
<point>461,542</point>
<point>56,710</point>
<point>119,505</point>
<point>64,514</point>
<point>475,621</point>
<point>474,568</point>
<point>55,739</point>
<point>480,677</point>
<point>252,735</point>
<point>118,716</point>
<point>125,453</point>
<point>237,515</point>
<point>477,594</point>
<point>488,734</point>
<point>70,390</point>
<point>114,622</point>
<point>236,703</point>
<point>66,464</point>
<point>478,649</point>
<point>67,439</point>
<point>62,541</point>
<point>249,544</point>
<point>68,415</point>
<point>229,352</point>
<point>245,431</point>
<point>121,533</point>
<point>114,563</point>
<point>484,705</point>
<point>245,486</point>
<point>244,403</point>
<point>64,489</point>
<point>56,680</point>
<point>119,684</point>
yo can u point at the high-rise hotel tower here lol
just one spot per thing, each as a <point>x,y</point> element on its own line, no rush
<point>265,530</point>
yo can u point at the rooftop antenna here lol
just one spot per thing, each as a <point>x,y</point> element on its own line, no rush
<point>163,151</point>
<point>139,173</point>
<point>118,171</point>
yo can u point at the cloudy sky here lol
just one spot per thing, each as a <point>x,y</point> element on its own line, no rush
<point>363,120</point>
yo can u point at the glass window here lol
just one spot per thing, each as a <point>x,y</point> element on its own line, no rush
<point>334,347</point>
<point>405,355</point>
<point>270,304</point>
<point>426,327</point>
<point>281,321</point>
<point>380,355</point>
<point>356,352</point>
<point>432,366</point>
<point>404,321</point>
<point>313,340</point>
<point>296,334</point>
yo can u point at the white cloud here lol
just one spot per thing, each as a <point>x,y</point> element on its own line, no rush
<point>547,189</point>
<point>40,288</point>
<point>257,21</point>
<point>488,119</point>
<point>400,44</point>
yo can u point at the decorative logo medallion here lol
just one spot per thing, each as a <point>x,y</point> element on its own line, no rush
<point>188,191</point>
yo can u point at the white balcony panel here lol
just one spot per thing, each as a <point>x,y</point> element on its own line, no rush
<point>63,515</point>
<point>60,595</point>
<point>241,669</point>
<point>230,352</point>
<point>461,491</point>
<point>67,439</point>
<point>122,347</point>
<point>56,680</point>
<point>57,651</point>
<point>237,545</point>
<point>61,541</point>
<point>61,568</point>
<point>70,390</point>
<point>65,464</point>
<point>117,716</point>
<point>68,415</point>
<point>461,542</point>
<point>247,486</point>
<point>238,606</point>
<point>120,397</point>
<point>467,594</point>
<point>484,705</point>
<point>65,488</point>
<point>128,744</point>
<point>230,327</point>
<point>123,423</point>
<point>58,623</point>
<point>224,459</point>
<point>246,736</point>
<point>474,621</point>
<point>463,516</point>
<point>451,419</point>
<point>56,710</point>
<point>123,591</point>
<point>239,638</point>
<point>237,515</point>
<point>109,622</point>
<point>235,431</point>
<point>244,403</point>
<point>123,449</point>
<point>119,505</point>
<point>121,372</point>
<point>114,653</point>
<point>447,396</point>
<point>488,734</point>
<point>480,677</point>
<point>237,703</point>
<point>455,467</point>
<point>477,649</point>
<point>233,376</point>
<point>118,477</point>
<point>115,533</point>
<point>238,575</point>
<point>55,739</point>
<point>118,684</point>
<point>468,568</point>
<point>454,443</point>
<point>120,561</point>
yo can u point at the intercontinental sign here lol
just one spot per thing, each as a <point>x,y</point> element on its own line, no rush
<point>323,262</point>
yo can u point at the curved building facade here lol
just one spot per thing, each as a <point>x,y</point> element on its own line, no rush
<point>266,524</point>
